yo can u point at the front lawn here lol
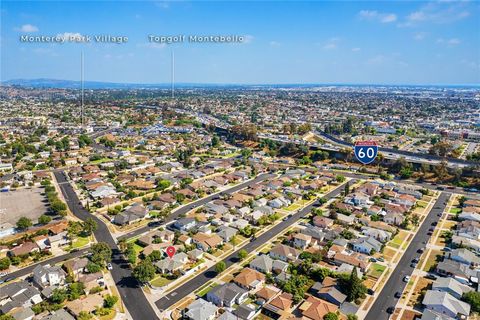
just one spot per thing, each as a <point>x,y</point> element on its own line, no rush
<point>376,270</point>
<point>80,242</point>
<point>160,281</point>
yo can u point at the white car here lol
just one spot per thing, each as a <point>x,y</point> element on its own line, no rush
<point>406,278</point>
<point>109,266</point>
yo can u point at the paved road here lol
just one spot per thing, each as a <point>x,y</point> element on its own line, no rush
<point>54,260</point>
<point>395,283</point>
<point>195,283</point>
<point>130,290</point>
<point>183,210</point>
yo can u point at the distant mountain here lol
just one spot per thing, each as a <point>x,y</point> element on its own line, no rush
<point>71,84</point>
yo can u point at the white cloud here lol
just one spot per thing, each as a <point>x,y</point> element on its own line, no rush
<point>72,37</point>
<point>331,44</point>
<point>27,28</point>
<point>274,43</point>
<point>419,35</point>
<point>152,45</point>
<point>373,15</point>
<point>449,42</point>
<point>248,38</point>
<point>437,12</point>
<point>356,49</point>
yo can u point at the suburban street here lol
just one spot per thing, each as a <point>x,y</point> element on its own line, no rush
<point>53,260</point>
<point>131,293</point>
<point>395,282</point>
<point>175,214</point>
<point>185,289</point>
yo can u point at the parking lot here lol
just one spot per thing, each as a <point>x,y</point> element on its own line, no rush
<point>28,203</point>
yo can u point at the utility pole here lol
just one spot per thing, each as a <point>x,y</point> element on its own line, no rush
<point>173,75</point>
<point>82,88</point>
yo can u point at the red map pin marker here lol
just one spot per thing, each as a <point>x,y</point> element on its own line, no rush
<point>171,251</point>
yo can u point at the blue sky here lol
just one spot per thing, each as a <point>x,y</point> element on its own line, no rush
<point>380,42</point>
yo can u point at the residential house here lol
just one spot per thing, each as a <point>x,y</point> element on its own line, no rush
<point>201,309</point>
<point>329,291</point>
<point>250,279</point>
<point>227,295</point>
<point>262,263</point>
<point>284,253</point>
<point>47,275</point>
<point>315,309</point>
<point>452,286</point>
<point>366,245</point>
<point>445,303</point>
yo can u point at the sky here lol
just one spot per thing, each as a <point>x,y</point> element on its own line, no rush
<point>284,42</point>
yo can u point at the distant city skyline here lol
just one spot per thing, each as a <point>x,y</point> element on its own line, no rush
<point>325,42</point>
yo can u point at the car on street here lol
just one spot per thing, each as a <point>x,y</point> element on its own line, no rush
<point>420,250</point>
<point>390,310</point>
<point>398,295</point>
<point>109,266</point>
<point>406,278</point>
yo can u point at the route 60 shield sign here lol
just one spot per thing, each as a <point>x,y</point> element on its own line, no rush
<point>365,151</point>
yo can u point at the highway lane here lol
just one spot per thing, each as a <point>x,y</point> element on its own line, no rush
<point>128,287</point>
<point>395,283</point>
<point>175,214</point>
<point>195,283</point>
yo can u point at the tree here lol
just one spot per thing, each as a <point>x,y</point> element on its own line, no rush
<point>5,263</point>
<point>58,295</point>
<point>215,141</point>
<point>347,188</point>
<point>93,267</point>
<point>352,286</point>
<point>89,226</point>
<point>352,316</point>
<point>144,271</point>
<point>24,223</point>
<point>473,299</point>
<point>6,317</point>
<point>83,315</point>
<point>155,255</point>
<point>44,219</point>
<point>101,253</point>
<point>75,290</point>
<point>330,316</point>
<point>340,178</point>
<point>220,267</point>
<point>242,254</point>
<point>109,301</point>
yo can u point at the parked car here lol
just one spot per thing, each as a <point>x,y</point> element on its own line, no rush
<point>109,266</point>
<point>420,250</point>
<point>406,278</point>
<point>398,295</point>
<point>370,292</point>
<point>431,277</point>
<point>390,310</point>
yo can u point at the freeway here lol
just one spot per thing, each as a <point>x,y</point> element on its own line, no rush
<point>395,283</point>
<point>185,289</point>
<point>131,293</point>
<point>186,208</point>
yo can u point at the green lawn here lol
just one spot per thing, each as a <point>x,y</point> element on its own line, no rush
<point>396,242</point>
<point>80,242</point>
<point>455,210</point>
<point>160,281</point>
<point>422,204</point>
<point>376,270</point>
<point>293,207</point>
<point>204,291</point>
<point>99,161</point>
